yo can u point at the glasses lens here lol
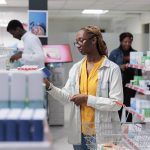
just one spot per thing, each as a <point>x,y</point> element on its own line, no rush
<point>77,43</point>
<point>80,42</point>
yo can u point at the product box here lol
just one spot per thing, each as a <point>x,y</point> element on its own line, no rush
<point>139,104</point>
<point>137,79</point>
<point>35,85</point>
<point>18,89</point>
<point>136,58</point>
<point>35,89</point>
<point>24,125</point>
<point>12,125</point>
<point>38,125</point>
<point>45,72</point>
<point>3,115</point>
<point>4,89</point>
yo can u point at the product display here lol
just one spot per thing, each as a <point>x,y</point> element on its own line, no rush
<point>28,83</point>
<point>138,135</point>
<point>4,90</point>
<point>22,116</point>
<point>22,124</point>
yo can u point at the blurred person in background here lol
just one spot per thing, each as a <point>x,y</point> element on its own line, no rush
<point>32,53</point>
<point>121,56</point>
<point>93,88</point>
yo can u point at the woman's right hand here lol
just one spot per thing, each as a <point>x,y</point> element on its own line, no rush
<point>47,83</point>
<point>123,67</point>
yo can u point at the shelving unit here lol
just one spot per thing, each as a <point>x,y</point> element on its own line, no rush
<point>42,145</point>
<point>46,144</point>
<point>131,143</point>
<point>138,89</point>
<point>144,134</point>
<point>138,67</point>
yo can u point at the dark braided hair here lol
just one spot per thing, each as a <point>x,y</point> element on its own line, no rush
<point>95,31</point>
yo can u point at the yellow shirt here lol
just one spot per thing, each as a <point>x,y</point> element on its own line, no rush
<point>88,85</point>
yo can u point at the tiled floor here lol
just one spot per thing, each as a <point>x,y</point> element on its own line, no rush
<point>59,133</point>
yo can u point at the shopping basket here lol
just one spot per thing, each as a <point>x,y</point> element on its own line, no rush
<point>105,136</point>
<point>132,136</point>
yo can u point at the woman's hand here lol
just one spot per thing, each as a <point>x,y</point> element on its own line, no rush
<point>79,99</point>
<point>123,67</point>
<point>47,83</point>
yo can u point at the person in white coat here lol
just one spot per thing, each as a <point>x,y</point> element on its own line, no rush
<point>93,88</point>
<point>33,53</point>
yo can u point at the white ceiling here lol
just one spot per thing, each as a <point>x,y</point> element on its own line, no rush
<point>73,8</point>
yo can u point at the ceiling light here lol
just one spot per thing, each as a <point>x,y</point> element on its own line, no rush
<point>94,11</point>
<point>3,2</point>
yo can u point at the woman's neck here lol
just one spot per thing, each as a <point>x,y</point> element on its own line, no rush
<point>93,58</point>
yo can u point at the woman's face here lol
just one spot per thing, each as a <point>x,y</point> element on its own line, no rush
<point>83,42</point>
<point>126,43</point>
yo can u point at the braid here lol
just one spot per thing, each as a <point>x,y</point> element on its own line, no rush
<point>96,32</point>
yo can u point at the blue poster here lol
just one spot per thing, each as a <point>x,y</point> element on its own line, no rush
<point>38,23</point>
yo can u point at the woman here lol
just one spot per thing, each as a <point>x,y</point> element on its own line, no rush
<point>121,56</point>
<point>93,87</point>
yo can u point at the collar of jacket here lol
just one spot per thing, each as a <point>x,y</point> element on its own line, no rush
<point>106,62</point>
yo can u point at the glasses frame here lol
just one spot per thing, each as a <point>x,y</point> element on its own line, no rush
<point>80,42</point>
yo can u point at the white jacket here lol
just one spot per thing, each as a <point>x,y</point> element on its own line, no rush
<point>106,111</point>
<point>33,53</point>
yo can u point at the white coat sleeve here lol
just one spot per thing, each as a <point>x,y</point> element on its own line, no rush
<point>63,95</point>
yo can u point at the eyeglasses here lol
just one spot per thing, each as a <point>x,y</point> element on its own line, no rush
<point>81,41</point>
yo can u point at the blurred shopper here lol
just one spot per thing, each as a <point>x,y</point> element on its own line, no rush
<point>93,87</point>
<point>121,56</point>
<point>33,53</point>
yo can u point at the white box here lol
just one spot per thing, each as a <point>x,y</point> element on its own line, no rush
<point>18,86</point>
<point>39,114</point>
<point>26,114</point>
<point>4,88</point>
<point>35,85</point>
<point>14,114</point>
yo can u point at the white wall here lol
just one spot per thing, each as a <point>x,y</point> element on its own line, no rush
<point>130,24</point>
<point>133,25</point>
<point>74,24</point>
<point>5,38</point>
<point>145,18</point>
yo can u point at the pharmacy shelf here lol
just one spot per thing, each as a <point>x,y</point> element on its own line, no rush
<point>131,143</point>
<point>136,143</point>
<point>132,111</point>
<point>137,67</point>
<point>138,89</point>
<point>42,145</point>
<point>147,119</point>
<point>25,146</point>
<point>135,114</point>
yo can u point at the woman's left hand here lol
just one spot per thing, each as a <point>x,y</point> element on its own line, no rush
<point>79,99</point>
